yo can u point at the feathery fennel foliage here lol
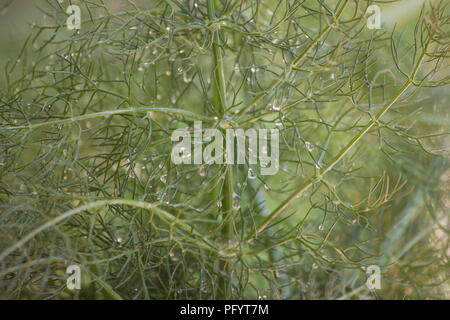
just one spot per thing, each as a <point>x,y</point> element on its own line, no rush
<point>86,176</point>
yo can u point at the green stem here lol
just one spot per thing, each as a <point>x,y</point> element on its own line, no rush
<point>219,76</point>
<point>107,289</point>
<point>110,113</point>
<point>163,215</point>
<point>227,191</point>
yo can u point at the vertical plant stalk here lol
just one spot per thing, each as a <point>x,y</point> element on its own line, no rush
<point>219,78</point>
<point>224,289</point>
